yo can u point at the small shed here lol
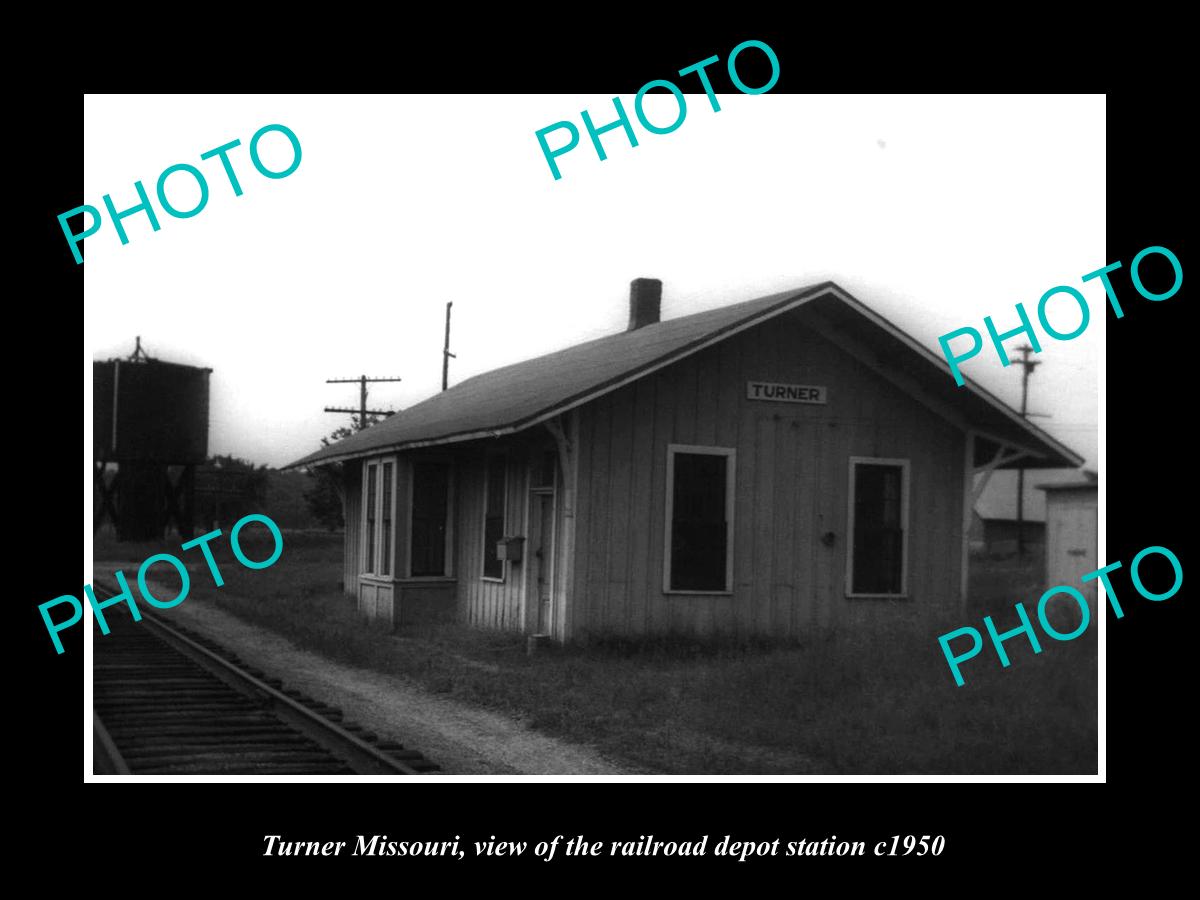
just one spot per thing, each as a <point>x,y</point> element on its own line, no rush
<point>1072,521</point>
<point>994,529</point>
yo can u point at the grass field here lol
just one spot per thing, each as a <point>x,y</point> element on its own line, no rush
<point>831,703</point>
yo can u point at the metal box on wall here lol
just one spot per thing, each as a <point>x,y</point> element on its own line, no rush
<point>510,548</point>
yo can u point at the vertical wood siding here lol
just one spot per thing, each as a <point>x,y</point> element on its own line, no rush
<point>489,604</point>
<point>792,474</point>
<point>352,513</point>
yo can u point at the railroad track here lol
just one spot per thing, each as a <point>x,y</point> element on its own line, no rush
<point>168,701</point>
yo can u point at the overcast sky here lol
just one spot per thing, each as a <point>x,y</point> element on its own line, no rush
<point>933,211</point>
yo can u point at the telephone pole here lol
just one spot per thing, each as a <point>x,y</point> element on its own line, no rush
<point>362,381</point>
<point>446,354</point>
<point>1027,367</point>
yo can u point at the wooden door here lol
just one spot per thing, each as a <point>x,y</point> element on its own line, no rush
<point>1071,542</point>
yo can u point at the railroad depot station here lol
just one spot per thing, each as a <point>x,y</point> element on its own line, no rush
<point>756,469</point>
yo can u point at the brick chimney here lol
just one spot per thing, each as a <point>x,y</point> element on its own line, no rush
<point>645,302</point>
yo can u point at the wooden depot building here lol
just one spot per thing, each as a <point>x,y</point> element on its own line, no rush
<point>758,469</point>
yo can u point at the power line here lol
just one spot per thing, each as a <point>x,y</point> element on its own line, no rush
<point>362,381</point>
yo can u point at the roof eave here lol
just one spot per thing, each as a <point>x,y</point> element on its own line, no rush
<point>785,305</point>
<point>1067,458</point>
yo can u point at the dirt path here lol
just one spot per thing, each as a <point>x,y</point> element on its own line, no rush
<point>463,740</point>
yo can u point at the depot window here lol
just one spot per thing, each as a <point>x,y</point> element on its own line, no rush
<point>429,535</point>
<point>379,514</point>
<point>876,564</point>
<point>493,516</point>
<point>698,554</point>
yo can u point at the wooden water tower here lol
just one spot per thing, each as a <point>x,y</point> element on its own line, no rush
<point>150,423</point>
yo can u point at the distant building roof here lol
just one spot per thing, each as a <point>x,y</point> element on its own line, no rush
<point>999,499</point>
<point>1069,486</point>
<point>518,396</point>
<point>1084,479</point>
<point>998,502</point>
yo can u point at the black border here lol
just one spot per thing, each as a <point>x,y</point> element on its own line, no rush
<point>989,829</point>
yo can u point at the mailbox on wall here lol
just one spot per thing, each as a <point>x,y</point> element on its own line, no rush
<point>510,548</point>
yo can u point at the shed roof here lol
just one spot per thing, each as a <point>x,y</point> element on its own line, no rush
<point>524,394</point>
<point>998,502</point>
<point>1085,480</point>
<point>1081,486</point>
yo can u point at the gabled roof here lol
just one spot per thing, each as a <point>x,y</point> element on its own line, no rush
<point>527,393</point>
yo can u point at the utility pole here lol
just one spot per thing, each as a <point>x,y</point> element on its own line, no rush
<point>446,354</point>
<point>362,381</point>
<point>1027,367</point>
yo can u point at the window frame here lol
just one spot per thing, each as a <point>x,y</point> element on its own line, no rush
<point>904,465</point>
<point>487,486</point>
<point>448,568</point>
<point>377,540</point>
<point>730,505</point>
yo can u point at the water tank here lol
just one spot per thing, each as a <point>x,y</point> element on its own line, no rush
<point>150,411</point>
